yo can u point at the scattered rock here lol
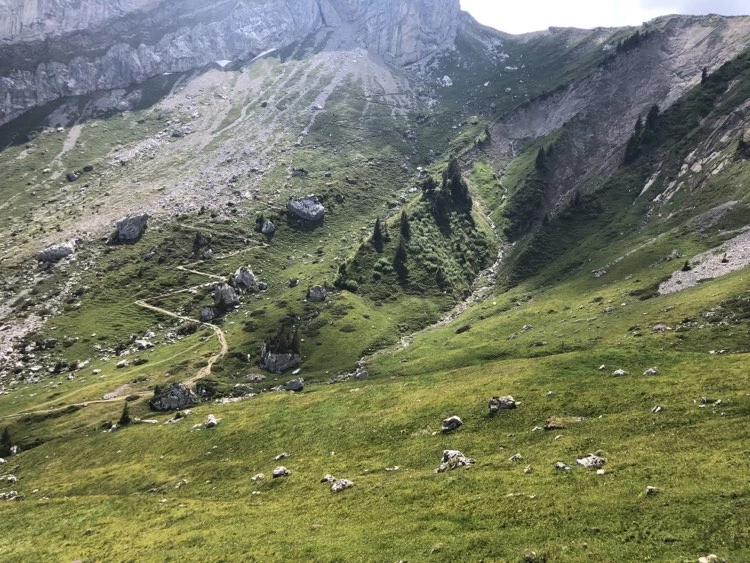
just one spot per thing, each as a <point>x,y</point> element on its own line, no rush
<point>225,296</point>
<point>280,471</point>
<point>281,456</point>
<point>528,470</point>
<point>268,228</point>
<point>122,364</point>
<point>279,362</point>
<point>453,459</point>
<point>328,479</point>
<point>257,477</point>
<point>11,495</point>
<point>176,396</point>
<point>450,424</point>
<point>56,253</point>
<point>293,282</point>
<point>307,209</point>
<point>181,483</point>
<point>316,293</point>
<point>207,314</point>
<point>143,344</point>
<point>501,403</point>
<point>244,278</point>
<point>656,410</point>
<point>591,461</point>
<point>652,491</point>
<point>296,385</point>
<point>550,394</point>
<point>651,371</point>
<point>710,559</point>
<point>131,228</point>
<point>600,471</point>
<point>341,484</point>
<point>516,457</point>
<point>661,328</point>
<point>211,421</point>
<point>560,466</point>
<point>620,372</point>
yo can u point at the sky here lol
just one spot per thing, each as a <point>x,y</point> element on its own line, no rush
<point>533,15</point>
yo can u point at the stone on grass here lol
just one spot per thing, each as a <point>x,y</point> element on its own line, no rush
<point>225,296</point>
<point>268,228</point>
<point>280,471</point>
<point>207,314</point>
<point>257,477</point>
<point>174,397</point>
<point>328,479</point>
<point>560,466</point>
<point>341,484</point>
<point>620,372</point>
<point>55,253</point>
<point>307,209</point>
<point>651,371</point>
<point>244,278</point>
<point>281,456</point>
<point>652,491</point>
<point>591,461</point>
<point>131,229</point>
<point>122,364</point>
<point>528,470</point>
<point>279,362</point>
<point>656,410</point>
<point>453,459</point>
<point>296,385</point>
<point>496,404</point>
<point>712,558</point>
<point>211,421</point>
<point>450,424</point>
<point>316,293</point>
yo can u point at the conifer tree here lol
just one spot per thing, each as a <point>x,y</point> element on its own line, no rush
<point>377,236</point>
<point>125,416</point>
<point>405,228</point>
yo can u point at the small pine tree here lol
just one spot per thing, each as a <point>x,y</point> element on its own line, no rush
<point>6,442</point>
<point>541,161</point>
<point>125,416</point>
<point>377,236</point>
<point>638,126</point>
<point>686,266</point>
<point>704,75</point>
<point>295,344</point>
<point>404,226</point>
<point>652,117</point>
<point>399,260</point>
<point>743,148</point>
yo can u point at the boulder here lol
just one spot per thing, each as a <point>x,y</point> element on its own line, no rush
<point>176,396</point>
<point>316,293</point>
<point>244,278</point>
<point>450,424</point>
<point>328,479</point>
<point>207,314</point>
<point>225,296</point>
<point>591,461</point>
<point>280,471</point>
<point>211,421</point>
<point>651,371</point>
<point>131,229</point>
<point>122,364</point>
<point>268,228</point>
<point>341,484</point>
<point>652,491</point>
<point>143,344</point>
<point>560,466</point>
<point>620,373</point>
<point>279,362</point>
<point>501,403</point>
<point>296,385</point>
<point>453,459</point>
<point>307,209</point>
<point>55,253</point>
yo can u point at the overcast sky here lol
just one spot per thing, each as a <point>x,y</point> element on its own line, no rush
<point>533,15</point>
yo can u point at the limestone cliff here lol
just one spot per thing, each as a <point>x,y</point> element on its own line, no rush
<point>55,48</point>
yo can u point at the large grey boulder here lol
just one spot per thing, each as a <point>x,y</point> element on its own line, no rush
<point>295,385</point>
<point>131,229</point>
<point>501,403</point>
<point>56,252</point>
<point>279,362</point>
<point>268,228</point>
<point>225,296</point>
<point>453,459</point>
<point>316,293</point>
<point>207,314</point>
<point>244,278</point>
<point>450,424</point>
<point>175,397</point>
<point>308,209</point>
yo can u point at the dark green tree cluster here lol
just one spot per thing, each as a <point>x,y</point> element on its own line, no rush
<point>643,135</point>
<point>6,442</point>
<point>125,416</point>
<point>525,207</point>
<point>378,240</point>
<point>633,41</point>
<point>451,195</point>
<point>743,148</point>
<point>285,341</point>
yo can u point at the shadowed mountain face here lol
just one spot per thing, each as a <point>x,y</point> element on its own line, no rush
<point>54,49</point>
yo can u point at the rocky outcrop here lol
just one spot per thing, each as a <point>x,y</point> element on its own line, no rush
<point>225,297</point>
<point>279,362</point>
<point>244,278</point>
<point>316,293</point>
<point>56,253</point>
<point>175,397</point>
<point>55,48</point>
<point>131,229</point>
<point>308,209</point>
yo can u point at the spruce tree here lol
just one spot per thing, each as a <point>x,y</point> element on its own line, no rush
<point>704,74</point>
<point>399,260</point>
<point>125,416</point>
<point>377,236</point>
<point>541,161</point>
<point>405,228</point>
<point>6,442</point>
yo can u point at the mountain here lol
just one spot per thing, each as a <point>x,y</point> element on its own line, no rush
<point>332,225</point>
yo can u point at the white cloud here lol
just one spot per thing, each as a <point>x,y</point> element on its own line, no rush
<point>532,15</point>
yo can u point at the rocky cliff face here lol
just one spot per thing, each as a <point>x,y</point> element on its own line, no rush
<point>55,48</point>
